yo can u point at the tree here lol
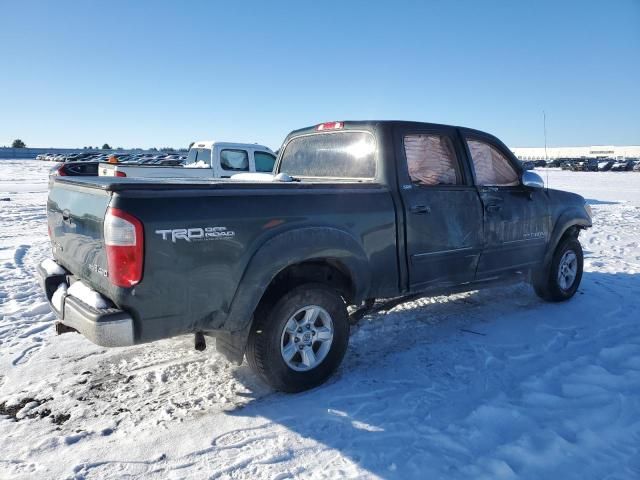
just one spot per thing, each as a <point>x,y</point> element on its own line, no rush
<point>106,147</point>
<point>17,143</point>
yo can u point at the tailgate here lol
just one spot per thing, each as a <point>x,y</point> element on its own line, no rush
<point>75,215</point>
<point>107,170</point>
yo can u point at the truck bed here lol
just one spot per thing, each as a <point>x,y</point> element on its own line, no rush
<point>199,279</point>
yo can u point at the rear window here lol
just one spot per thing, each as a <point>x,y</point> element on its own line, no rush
<point>335,155</point>
<point>199,155</point>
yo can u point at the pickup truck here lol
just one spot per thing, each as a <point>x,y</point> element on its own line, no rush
<point>355,211</point>
<point>206,159</point>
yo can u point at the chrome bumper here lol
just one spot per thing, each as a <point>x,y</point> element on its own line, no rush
<point>108,327</point>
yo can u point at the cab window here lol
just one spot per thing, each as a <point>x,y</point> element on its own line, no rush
<point>491,166</point>
<point>264,161</point>
<point>236,160</point>
<point>199,156</point>
<point>431,160</point>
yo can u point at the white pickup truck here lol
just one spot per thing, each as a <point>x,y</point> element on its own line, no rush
<point>206,159</point>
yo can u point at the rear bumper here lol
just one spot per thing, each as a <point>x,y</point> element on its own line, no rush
<point>108,327</point>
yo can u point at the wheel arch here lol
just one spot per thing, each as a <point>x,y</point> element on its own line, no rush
<point>314,254</point>
<point>570,222</point>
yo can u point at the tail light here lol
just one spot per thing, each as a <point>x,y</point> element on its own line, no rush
<point>60,171</point>
<point>120,174</point>
<point>124,242</point>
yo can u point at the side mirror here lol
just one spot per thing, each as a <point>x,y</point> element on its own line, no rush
<point>531,179</point>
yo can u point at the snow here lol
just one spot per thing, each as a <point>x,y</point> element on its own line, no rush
<point>489,384</point>
<point>51,267</point>
<point>253,177</point>
<point>57,298</point>
<point>198,164</point>
<point>87,295</point>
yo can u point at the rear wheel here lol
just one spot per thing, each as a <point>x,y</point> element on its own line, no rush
<point>300,342</point>
<point>562,279</point>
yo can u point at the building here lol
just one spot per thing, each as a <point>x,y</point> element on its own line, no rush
<point>594,151</point>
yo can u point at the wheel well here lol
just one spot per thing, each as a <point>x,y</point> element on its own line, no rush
<point>572,231</point>
<point>327,271</point>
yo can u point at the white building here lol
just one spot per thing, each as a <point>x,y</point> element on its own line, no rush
<point>594,151</point>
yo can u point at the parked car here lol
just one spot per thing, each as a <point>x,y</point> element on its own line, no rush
<point>636,167</point>
<point>75,169</point>
<point>619,166</point>
<point>587,165</point>
<point>206,159</point>
<point>356,211</point>
<point>540,163</point>
<point>555,163</point>
<point>528,165</point>
<point>567,165</point>
<point>605,166</point>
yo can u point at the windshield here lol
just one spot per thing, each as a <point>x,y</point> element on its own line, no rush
<point>332,155</point>
<point>200,156</point>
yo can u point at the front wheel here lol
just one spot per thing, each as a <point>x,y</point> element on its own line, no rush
<point>302,340</point>
<point>563,277</point>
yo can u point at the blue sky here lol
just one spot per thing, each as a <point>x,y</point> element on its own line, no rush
<point>159,73</point>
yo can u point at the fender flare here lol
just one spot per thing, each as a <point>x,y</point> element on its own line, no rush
<point>288,248</point>
<point>571,217</point>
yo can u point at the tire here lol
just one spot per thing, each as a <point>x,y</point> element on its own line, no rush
<point>269,343</point>
<point>549,284</point>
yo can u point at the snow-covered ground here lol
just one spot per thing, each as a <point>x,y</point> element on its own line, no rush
<point>491,384</point>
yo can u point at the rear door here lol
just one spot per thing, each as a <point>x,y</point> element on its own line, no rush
<point>516,218</point>
<point>443,213</point>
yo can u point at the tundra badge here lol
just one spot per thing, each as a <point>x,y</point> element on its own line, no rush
<point>196,234</point>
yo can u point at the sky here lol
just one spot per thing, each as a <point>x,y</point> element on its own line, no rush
<point>165,73</point>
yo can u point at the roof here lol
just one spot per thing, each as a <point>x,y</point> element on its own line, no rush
<point>211,143</point>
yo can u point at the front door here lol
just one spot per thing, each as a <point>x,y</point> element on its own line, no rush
<point>442,209</point>
<point>516,218</point>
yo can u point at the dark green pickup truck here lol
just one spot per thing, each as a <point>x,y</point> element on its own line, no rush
<point>355,211</point>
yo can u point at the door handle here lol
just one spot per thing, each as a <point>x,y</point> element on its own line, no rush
<point>494,207</point>
<point>420,209</point>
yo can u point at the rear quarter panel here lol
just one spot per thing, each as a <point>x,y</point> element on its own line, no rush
<point>190,285</point>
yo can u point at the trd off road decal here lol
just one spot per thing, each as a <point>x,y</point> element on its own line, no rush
<point>196,234</point>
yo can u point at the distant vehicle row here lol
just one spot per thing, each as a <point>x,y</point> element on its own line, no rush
<point>586,164</point>
<point>145,158</point>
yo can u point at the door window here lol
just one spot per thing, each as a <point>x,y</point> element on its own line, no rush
<point>264,161</point>
<point>431,160</point>
<point>491,166</point>
<point>236,160</point>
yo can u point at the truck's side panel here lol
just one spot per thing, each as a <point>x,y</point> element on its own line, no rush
<point>240,223</point>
